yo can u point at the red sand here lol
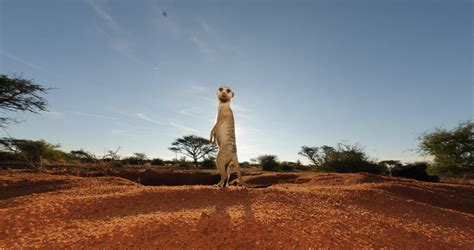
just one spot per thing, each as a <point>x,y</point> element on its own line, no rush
<point>302,211</point>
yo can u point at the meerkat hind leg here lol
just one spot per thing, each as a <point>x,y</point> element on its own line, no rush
<point>221,166</point>
<point>228,171</point>
<point>240,182</point>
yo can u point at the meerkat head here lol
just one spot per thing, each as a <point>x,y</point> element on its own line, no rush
<point>225,94</point>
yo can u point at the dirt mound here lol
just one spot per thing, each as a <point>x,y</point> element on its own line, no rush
<point>299,210</point>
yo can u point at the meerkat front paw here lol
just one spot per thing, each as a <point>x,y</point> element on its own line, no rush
<point>221,183</point>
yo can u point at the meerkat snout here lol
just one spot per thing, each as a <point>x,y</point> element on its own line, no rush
<point>225,94</point>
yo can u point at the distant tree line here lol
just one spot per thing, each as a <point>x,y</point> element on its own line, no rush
<point>452,150</point>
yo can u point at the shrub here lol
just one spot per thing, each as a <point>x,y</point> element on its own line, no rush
<point>9,156</point>
<point>209,163</point>
<point>268,162</point>
<point>244,164</point>
<point>343,159</point>
<point>33,151</point>
<point>131,160</point>
<point>287,166</point>
<point>415,171</point>
<point>453,150</point>
<point>183,163</point>
<point>157,162</point>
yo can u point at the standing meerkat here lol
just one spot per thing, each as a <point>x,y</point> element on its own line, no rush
<point>224,134</point>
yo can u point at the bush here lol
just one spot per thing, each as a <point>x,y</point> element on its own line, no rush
<point>268,162</point>
<point>453,150</point>
<point>415,171</point>
<point>131,160</point>
<point>347,159</point>
<point>209,163</point>
<point>183,163</point>
<point>33,151</point>
<point>244,164</point>
<point>287,166</point>
<point>157,162</point>
<point>8,156</point>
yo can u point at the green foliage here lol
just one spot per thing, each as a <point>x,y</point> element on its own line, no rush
<point>140,157</point>
<point>194,146</point>
<point>209,163</point>
<point>136,159</point>
<point>19,94</point>
<point>157,162</point>
<point>268,162</point>
<point>183,163</point>
<point>82,156</point>
<point>292,166</point>
<point>312,154</point>
<point>9,156</point>
<point>453,150</point>
<point>344,158</point>
<point>287,166</point>
<point>415,171</point>
<point>33,151</point>
<point>244,164</point>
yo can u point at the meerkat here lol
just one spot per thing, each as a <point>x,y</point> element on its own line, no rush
<point>223,133</point>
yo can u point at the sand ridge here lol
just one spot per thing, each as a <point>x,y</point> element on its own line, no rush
<point>296,210</point>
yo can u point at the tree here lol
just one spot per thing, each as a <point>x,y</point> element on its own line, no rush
<point>33,151</point>
<point>311,153</point>
<point>141,157</point>
<point>453,150</point>
<point>193,146</point>
<point>268,162</point>
<point>83,156</point>
<point>19,94</point>
<point>344,158</point>
<point>157,162</point>
<point>415,171</point>
<point>390,164</point>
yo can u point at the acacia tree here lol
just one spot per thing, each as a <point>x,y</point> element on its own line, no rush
<point>193,146</point>
<point>141,157</point>
<point>453,150</point>
<point>312,154</point>
<point>32,151</point>
<point>19,94</point>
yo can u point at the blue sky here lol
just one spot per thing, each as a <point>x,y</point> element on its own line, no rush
<point>377,73</point>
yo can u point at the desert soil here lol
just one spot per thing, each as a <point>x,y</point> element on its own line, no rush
<point>297,210</point>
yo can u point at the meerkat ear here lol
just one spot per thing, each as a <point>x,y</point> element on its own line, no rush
<point>233,94</point>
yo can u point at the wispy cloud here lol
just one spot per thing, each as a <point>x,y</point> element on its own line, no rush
<point>146,118</point>
<point>20,60</point>
<point>121,132</point>
<point>204,47</point>
<point>199,88</point>
<point>192,112</point>
<point>119,40</point>
<point>210,43</point>
<point>182,127</point>
<point>53,113</point>
<point>104,15</point>
<point>91,115</point>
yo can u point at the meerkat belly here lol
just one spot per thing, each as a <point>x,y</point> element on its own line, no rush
<point>226,137</point>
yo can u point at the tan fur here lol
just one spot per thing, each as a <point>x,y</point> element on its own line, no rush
<point>223,134</point>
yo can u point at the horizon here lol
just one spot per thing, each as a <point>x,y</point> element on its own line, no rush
<point>125,74</point>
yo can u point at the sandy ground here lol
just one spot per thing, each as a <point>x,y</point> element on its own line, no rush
<point>301,211</point>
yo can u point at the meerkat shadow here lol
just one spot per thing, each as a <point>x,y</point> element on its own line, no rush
<point>218,223</point>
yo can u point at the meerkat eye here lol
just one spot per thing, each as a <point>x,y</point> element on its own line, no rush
<point>220,89</point>
<point>228,90</point>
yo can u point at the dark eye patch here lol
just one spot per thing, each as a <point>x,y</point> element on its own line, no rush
<point>228,90</point>
<point>220,89</point>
